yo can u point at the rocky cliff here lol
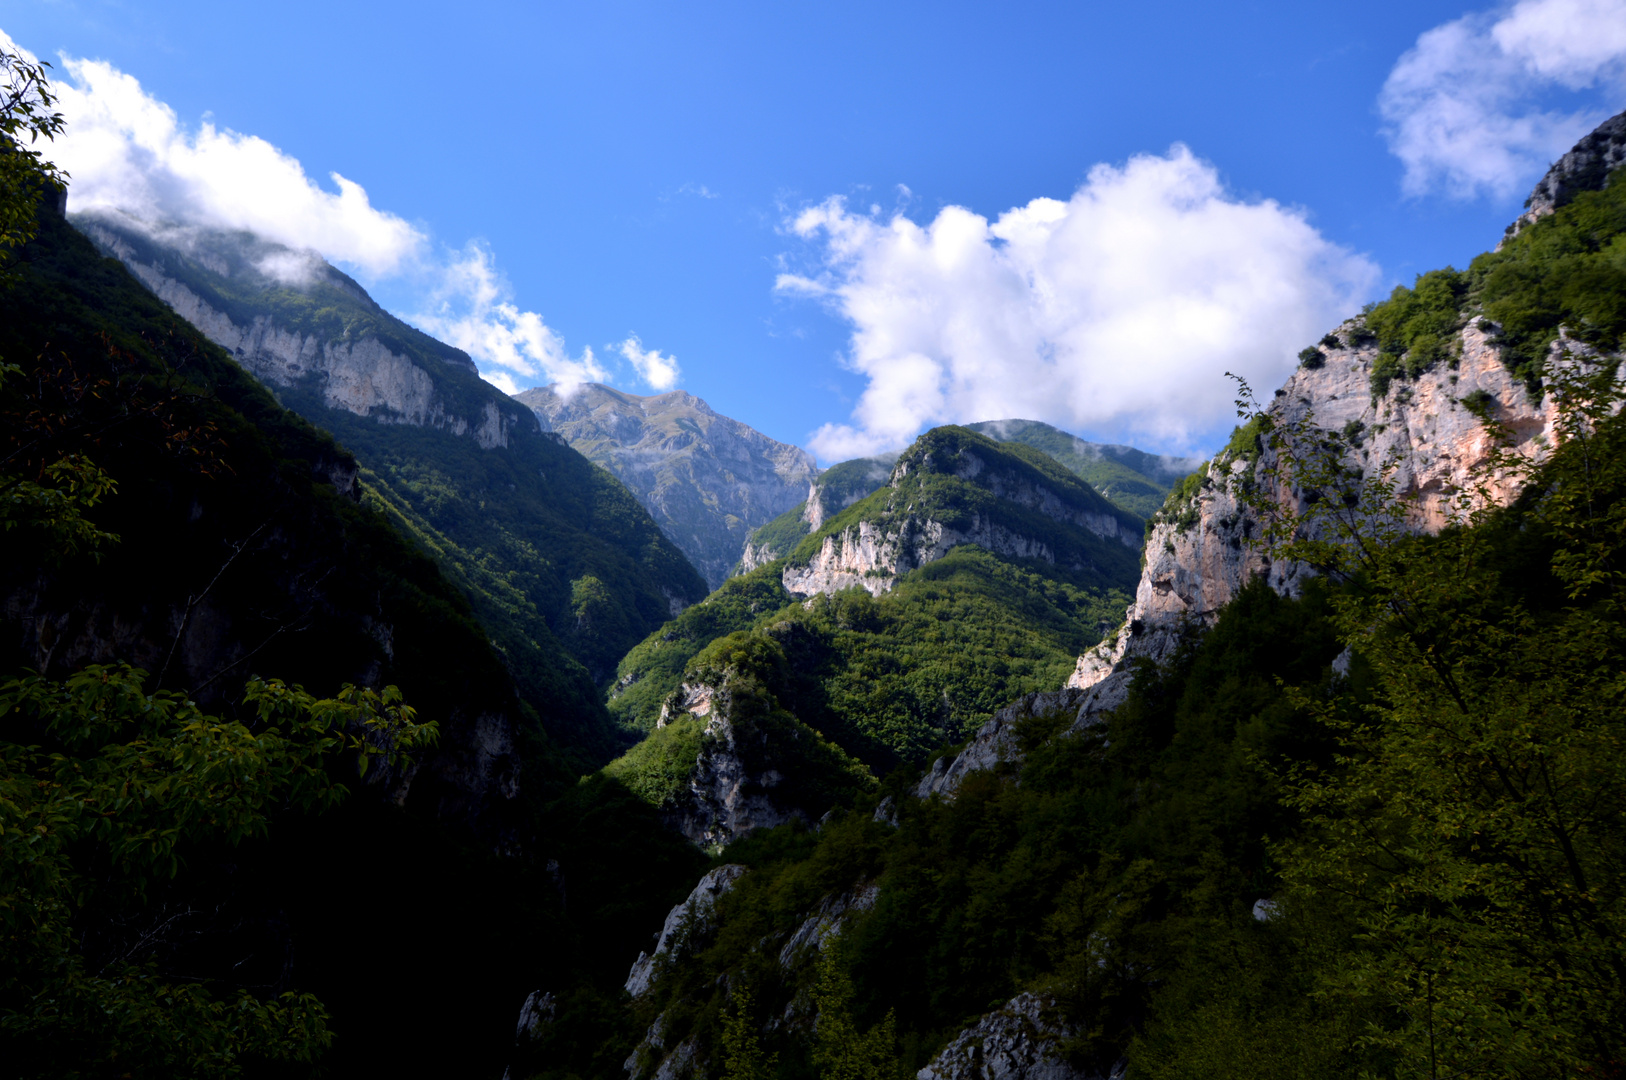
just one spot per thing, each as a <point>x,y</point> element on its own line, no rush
<point>1429,436</point>
<point>837,488</point>
<point>954,487</point>
<point>707,479</point>
<point>1022,1041</point>
<point>355,370</point>
<point>556,555</point>
<point>754,765</point>
<point>1584,168</point>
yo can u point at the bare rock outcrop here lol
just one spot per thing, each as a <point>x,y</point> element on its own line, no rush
<point>1021,1041</point>
<point>911,532</point>
<point>1584,168</point>
<point>1429,433</point>
<point>686,924</point>
<point>996,741</point>
<point>361,376</point>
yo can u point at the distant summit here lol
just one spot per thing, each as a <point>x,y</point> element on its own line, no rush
<point>707,480</point>
<point>1130,478</point>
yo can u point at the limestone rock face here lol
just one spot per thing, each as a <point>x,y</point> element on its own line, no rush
<point>1199,557</point>
<point>362,376</point>
<point>872,554</point>
<point>996,741</point>
<point>690,920</point>
<point>826,922</point>
<point>727,798</point>
<point>1584,168</point>
<point>706,479</point>
<point>1018,1042</point>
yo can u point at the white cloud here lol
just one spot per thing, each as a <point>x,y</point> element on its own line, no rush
<point>470,309</point>
<point>125,150</point>
<point>1117,311</point>
<point>660,372</point>
<point>1470,108</point>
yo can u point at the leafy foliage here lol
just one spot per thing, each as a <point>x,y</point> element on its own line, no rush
<point>1416,327</point>
<point>1115,864</point>
<point>125,785</point>
<point>1567,270</point>
<point>26,174</point>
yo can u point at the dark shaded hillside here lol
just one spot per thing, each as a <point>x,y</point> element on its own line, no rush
<point>243,548</point>
<point>563,567</point>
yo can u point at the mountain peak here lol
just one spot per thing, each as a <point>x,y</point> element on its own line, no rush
<point>1585,168</point>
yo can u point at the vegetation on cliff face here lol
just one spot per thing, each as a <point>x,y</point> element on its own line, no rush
<point>1567,270</point>
<point>1385,816</point>
<point>517,527</point>
<point>836,488</point>
<point>216,536</point>
<point>892,679</point>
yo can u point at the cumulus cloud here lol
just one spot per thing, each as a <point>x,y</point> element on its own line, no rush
<point>470,309</point>
<point>127,151</point>
<point>1479,105</point>
<point>1117,311</point>
<point>660,372</point>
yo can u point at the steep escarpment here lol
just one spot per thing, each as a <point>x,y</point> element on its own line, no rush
<point>1586,167</point>
<point>836,488</point>
<point>563,567</point>
<point>952,488</point>
<point>708,480</point>
<point>242,549</point>
<point>727,757</point>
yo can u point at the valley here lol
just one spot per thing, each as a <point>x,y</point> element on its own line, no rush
<point>358,718</point>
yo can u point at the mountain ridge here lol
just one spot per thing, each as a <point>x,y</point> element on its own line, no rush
<point>708,479</point>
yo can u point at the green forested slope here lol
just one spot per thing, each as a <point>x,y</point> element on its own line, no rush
<point>563,567</point>
<point>1374,830</point>
<point>238,552</point>
<point>894,678</point>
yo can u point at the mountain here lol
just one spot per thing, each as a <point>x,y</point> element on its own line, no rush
<point>1354,745</point>
<point>243,543</point>
<point>899,625</point>
<point>835,489</point>
<point>564,568</point>
<point>1130,478</point>
<point>707,480</point>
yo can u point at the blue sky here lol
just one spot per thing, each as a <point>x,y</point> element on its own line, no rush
<point>654,182</point>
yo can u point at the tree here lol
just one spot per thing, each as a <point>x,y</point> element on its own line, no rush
<point>841,1051</point>
<point>104,791</point>
<point>743,1056</point>
<point>1472,833</point>
<point>26,110</point>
